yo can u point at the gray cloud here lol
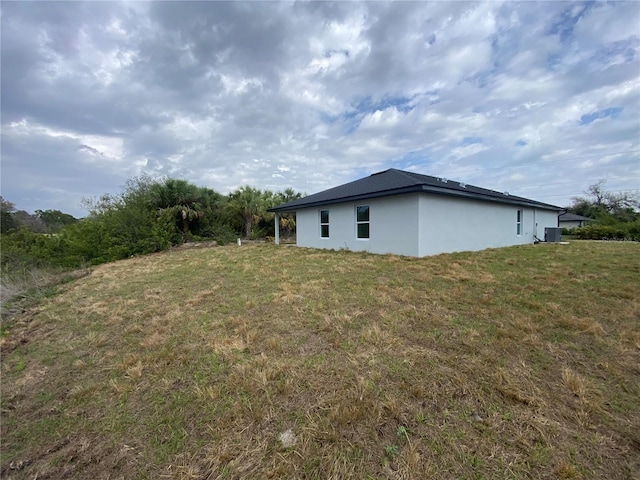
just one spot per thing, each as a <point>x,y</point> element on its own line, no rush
<point>313,94</point>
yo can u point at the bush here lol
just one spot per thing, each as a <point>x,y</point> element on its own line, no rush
<point>620,231</point>
<point>31,264</point>
<point>224,234</point>
<point>23,248</point>
<point>115,233</point>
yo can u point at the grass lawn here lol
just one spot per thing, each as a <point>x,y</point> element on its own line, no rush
<point>259,362</point>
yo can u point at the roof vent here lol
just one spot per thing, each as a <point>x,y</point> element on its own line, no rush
<point>463,185</point>
<point>506,194</point>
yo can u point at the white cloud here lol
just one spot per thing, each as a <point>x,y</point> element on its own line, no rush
<point>608,23</point>
<point>92,145</point>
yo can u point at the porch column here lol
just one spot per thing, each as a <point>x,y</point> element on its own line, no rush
<point>277,220</point>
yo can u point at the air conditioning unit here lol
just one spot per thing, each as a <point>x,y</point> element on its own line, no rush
<point>552,234</point>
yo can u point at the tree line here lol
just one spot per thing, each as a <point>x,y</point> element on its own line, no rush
<point>615,215</point>
<point>149,215</point>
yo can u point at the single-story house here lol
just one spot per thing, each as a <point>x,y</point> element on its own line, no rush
<point>406,213</point>
<point>571,220</point>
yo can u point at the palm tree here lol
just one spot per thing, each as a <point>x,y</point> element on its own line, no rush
<point>249,204</point>
<point>287,221</point>
<point>179,201</point>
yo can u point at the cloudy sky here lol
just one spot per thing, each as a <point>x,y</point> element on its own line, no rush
<point>538,99</point>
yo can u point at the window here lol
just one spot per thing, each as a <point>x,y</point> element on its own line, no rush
<point>362,221</point>
<point>324,223</point>
<point>519,222</point>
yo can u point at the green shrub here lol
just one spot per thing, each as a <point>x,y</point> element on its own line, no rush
<point>620,231</point>
<point>224,234</point>
<point>23,248</point>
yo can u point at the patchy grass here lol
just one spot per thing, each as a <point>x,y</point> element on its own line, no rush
<point>24,285</point>
<point>275,362</point>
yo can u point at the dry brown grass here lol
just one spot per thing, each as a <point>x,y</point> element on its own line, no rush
<point>266,362</point>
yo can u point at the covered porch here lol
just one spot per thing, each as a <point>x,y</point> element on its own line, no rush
<point>278,219</point>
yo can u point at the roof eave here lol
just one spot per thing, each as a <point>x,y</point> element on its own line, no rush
<point>417,188</point>
<point>353,198</point>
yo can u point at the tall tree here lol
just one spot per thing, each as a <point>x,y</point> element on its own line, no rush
<point>606,206</point>
<point>179,201</point>
<point>30,222</point>
<point>248,204</point>
<point>7,222</point>
<point>54,220</point>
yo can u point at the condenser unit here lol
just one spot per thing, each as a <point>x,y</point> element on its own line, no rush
<point>552,234</point>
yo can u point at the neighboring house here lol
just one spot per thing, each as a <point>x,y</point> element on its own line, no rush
<point>571,220</point>
<point>407,213</point>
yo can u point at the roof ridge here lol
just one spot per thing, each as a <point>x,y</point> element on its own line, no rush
<point>410,175</point>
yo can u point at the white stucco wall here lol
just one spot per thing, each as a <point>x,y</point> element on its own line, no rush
<point>546,218</point>
<point>449,224</point>
<point>446,224</point>
<point>393,226</point>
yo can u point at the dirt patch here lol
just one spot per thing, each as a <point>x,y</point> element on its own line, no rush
<point>74,458</point>
<point>22,328</point>
<point>189,245</point>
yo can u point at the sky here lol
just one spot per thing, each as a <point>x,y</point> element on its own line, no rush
<point>537,99</point>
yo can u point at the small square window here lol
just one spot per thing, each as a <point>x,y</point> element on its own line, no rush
<point>363,230</point>
<point>362,213</point>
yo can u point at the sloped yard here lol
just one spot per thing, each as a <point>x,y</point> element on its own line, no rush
<point>278,362</point>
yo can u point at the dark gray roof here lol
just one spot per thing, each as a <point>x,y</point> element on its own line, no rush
<point>396,182</point>
<point>572,217</point>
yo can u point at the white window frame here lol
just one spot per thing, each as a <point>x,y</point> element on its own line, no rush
<point>363,222</point>
<point>519,215</point>
<point>324,224</point>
